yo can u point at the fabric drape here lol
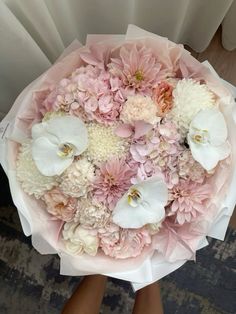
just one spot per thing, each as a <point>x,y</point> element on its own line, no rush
<point>33,33</point>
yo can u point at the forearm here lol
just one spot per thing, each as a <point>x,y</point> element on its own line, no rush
<point>88,297</point>
<point>148,300</point>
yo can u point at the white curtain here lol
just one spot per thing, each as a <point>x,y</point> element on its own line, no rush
<point>33,33</point>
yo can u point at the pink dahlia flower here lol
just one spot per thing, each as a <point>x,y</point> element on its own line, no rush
<point>137,68</point>
<point>162,96</point>
<point>59,205</point>
<point>124,243</point>
<point>113,179</point>
<point>189,200</point>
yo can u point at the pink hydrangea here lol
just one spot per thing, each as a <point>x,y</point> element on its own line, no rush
<point>157,152</point>
<point>188,200</point>
<point>136,67</point>
<point>90,93</point>
<point>112,180</point>
<point>59,205</point>
<point>123,243</point>
<point>188,168</point>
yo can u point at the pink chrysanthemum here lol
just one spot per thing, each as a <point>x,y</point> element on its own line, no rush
<point>112,181</point>
<point>189,200</point>
<point>137,68</point>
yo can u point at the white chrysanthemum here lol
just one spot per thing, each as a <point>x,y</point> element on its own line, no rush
<point>77,178</point>
<point>53,114</point>
<point>189,97</point>
<point>91,215</point>
<point>139,108</point>
<point>32,181</point>
<point>104,143</point>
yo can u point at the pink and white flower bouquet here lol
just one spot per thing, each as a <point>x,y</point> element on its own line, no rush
<point>121,157</point>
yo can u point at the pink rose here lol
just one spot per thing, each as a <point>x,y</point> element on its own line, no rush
<point>59,205</point>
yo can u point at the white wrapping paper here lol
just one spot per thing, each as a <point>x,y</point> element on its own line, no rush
<point>143,271</point>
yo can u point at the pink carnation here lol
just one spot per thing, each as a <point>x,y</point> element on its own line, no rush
<point>123,243</point>
<point>162,96</point>
<point>136,67</point>
<point>189,200</point>
<point>59,205</point>
<point>112,181</point>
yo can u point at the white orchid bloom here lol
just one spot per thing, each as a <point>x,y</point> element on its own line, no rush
<point>56,142</point>
<point>207,138</point>
<point>144,203</point>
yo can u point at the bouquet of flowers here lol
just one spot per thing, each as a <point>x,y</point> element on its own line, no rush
<point>121,157</point>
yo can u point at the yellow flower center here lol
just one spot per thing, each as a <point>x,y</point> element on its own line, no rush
<point>66,150</point>
<point>134,197</point>
<point>139,75</point>
<point>200,136</point>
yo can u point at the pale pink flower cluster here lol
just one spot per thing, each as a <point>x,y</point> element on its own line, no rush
<point>90,93</point>
<point>131,109</point>
<point>158,152</point>
<point>91,214</point>
<point>123,243</point>
<point>189,168</point>
<point>112,180</point>
<point>139,108</point>
<point>59,205</point>
<point>77,179</point>
<point>137,68</point>
<point>189,200</point>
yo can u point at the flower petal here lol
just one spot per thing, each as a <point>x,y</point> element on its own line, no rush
<point>71,130</point>
<point>39,130</point>
<point>124,130</point>
<point>150,210</point>
<point>129,217</point>
<point>141,128</point>
<point>207,155</point>
<point>213,121</point>
<point>44,154</point>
